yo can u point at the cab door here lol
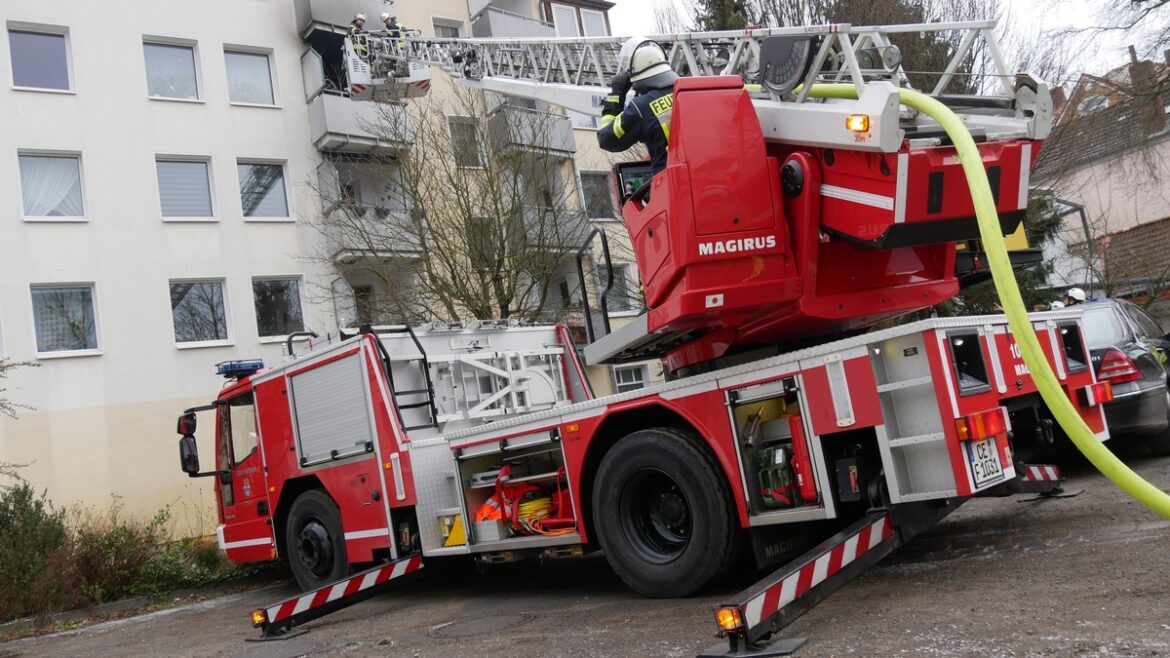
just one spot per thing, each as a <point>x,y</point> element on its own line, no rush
<point>246,533</point>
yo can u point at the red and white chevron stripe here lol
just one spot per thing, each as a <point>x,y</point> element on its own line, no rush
<point>815,572</point>
<point>328,593</point>
<point>1041,473</point>
<point>422,84</point>
<point>357,89</point>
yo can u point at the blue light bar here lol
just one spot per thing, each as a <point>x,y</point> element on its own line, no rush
<point>238,369</point>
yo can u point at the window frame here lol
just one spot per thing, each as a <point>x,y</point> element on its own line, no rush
<point>272,82</point>
<point>288,197</point>
<point>41,28</point>
<point>48,153</point>
<point>301,299</point>
<point>227,314</point>
<point>581,11</point>
<point>613,203</point>
<point>173,157</point>
<point>481,152</point>
<point>641,369</point>
<point>179,42</point>
<point>577,27</point>
<point>448,22</point>
<point>97,325</point>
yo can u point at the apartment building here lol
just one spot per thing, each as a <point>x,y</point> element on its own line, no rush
<point>164,162</point>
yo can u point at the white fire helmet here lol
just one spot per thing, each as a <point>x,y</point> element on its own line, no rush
<point>643,58</point>
<point>1077,294</point>
<point>360,17</point>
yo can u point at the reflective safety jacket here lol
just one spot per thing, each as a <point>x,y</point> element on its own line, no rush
<point>645,119</point>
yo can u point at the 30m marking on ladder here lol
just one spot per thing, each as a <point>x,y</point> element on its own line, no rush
<point>815,572</point>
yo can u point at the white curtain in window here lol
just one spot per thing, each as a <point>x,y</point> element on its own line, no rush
<point>51,186</point>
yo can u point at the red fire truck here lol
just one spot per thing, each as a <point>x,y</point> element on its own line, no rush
<point>398,445</point>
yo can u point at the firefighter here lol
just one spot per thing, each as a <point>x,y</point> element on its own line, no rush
<point>357,27</point>
<point>392,26</point>
<point>642,65</point>
<point>1074,296</point>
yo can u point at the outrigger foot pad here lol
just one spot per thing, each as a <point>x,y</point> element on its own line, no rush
<point>785,646</point>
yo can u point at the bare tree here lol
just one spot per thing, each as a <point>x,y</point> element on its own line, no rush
<point>9,408</point>
<point>479,218</point>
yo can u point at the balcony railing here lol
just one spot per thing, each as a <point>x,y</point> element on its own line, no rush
<point>511,126</point>
<point>339,124</point>
<point>492,21</point>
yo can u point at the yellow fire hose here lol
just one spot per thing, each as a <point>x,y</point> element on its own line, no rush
<point>1013,304</point>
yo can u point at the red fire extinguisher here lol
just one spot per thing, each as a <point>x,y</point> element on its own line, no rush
<point>806,484</point>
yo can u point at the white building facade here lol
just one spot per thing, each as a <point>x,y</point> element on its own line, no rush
<point>158,161</point>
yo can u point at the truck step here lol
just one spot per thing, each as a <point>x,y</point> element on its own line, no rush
<point>277,620</point>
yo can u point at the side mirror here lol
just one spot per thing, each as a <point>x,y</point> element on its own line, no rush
<point>186,425</point>
<point>188,452</point>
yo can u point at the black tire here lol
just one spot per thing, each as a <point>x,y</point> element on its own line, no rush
<point>663,514</point>
<point>315,541</point>
<point>1159,444</point>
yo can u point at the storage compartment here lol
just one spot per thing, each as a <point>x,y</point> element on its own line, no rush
<point>515,492</point>
<point>776,465</point>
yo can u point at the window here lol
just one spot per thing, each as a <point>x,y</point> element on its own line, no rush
<point>40,60</point>
<point>249,77</point>
<point>630,378</point>
<point>51,185</point>
<point>242,421</point>
<point>585,121</point>
<point>170,71</point>
<point>1146,326</point>
<point>593,23</point>
<point>184,187</point>
<point>482,241</point>
<point>278,306</point>
<point>565,20</point>
<point>262,190</point>
<point>599,203</point>
<point>446,28</point>
<point>199,312</point>
<point>465,142</point>
<point>621,296</point>
<point>64,318</point>
<point>365,305</point>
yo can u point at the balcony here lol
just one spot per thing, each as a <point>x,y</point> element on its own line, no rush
<point>338,124</point>
<point>534,130</point>
<point>358,233</point>
<point>492,21</point>
<point>333,16</point>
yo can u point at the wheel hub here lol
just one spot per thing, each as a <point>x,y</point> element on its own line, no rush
<point>315,548</point>
<point>655,516</point>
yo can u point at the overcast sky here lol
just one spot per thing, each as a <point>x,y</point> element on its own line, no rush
<point>630,17</point>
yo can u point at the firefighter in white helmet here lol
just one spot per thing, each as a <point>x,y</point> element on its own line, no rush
<point>642,65</point>
<point>357,28</point>
<point>392,26</point>
<point>1074,296</point>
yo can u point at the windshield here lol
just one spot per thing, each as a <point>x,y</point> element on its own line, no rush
<point>1102,328</point>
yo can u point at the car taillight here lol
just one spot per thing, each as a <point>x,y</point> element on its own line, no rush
<point>1118,368</point>
<point>982,425</point>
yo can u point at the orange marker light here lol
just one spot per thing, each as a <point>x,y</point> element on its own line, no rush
<point>858,123</point>
<point>729,619</point>
<point>259,617</point>
<point>573,428</point>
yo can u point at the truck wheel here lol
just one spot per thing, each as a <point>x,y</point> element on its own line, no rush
<point>663,514</point>
<point>316,544</point>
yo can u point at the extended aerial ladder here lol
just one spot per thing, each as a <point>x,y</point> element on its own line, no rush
<point>848,209</point>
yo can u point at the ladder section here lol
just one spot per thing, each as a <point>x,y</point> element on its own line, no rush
<point>475,372</point>
<point>835,53</point>
<point>914,441</point>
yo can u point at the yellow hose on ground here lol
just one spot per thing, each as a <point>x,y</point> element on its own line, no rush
<point>1013,304</point>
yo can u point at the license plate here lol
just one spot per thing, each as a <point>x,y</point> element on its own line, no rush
<point>984,459</point>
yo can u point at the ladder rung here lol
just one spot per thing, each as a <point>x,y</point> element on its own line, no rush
<point>412,391</point>
<point>414,405</point>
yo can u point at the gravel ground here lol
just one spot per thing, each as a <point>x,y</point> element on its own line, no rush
<point>1084,576</point>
